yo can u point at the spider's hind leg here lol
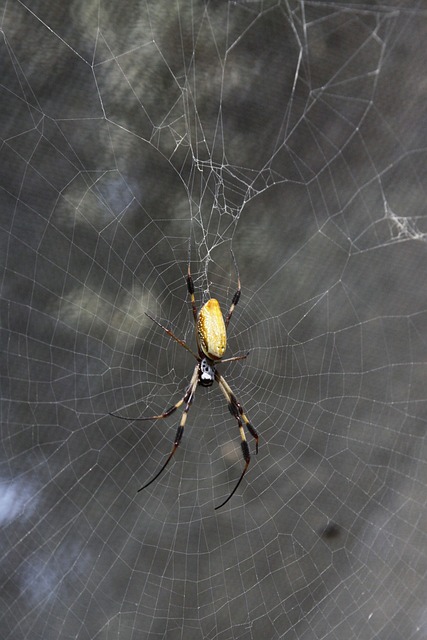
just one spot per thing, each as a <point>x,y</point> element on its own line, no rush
<point>236,296</point>
<point>190,287</point>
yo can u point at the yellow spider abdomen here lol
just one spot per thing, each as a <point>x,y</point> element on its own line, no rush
<point>211,332</point>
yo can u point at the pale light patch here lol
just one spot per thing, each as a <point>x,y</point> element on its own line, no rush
<point>16,501</point>
<point>87,311</point>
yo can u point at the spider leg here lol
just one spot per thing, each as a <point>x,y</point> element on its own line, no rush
<point>188,399</point>
<point>172,335</point>
<point>165,414</point>
<point>236,410</point>
<point>190,287</point>
<point>234,358</point>
<point>232,400</point>
<point>236,296</point>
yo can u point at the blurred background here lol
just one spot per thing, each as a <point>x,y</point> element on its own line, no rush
<point>295,134</point>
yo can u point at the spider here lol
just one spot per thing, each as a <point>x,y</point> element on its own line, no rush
<point>211,337</point>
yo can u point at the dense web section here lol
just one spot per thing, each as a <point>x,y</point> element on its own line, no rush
<point>136,136</point>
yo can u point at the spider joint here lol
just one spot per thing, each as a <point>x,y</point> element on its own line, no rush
<point>234,410</point>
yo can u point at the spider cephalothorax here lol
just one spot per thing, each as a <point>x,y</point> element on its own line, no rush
<point>211,336</point>
<point>206,372</point>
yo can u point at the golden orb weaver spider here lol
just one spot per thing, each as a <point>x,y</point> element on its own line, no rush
<point>211,337</point>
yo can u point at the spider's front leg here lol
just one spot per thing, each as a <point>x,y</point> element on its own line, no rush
<point>188,399</point>
<point>237,412</point>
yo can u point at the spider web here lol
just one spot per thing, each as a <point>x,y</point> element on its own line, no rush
<point>293,133</point>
